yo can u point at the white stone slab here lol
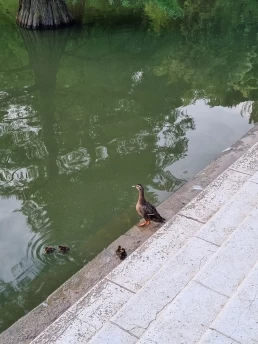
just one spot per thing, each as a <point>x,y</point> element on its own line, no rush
<point>112,334</point>
<point>210,200</point>
<point>213,337</point>
<point>186,319</point>
<point>254,178</point>
<point>233,261</point>
<point>87,315</point>
<point>226,220</point>
<point>248,163</point>
<point>239,319</point>
<point>77,332</point>
<point>142,309</point>
<point>140,266</point>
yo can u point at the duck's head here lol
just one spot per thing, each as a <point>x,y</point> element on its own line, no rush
<point>139,187</point>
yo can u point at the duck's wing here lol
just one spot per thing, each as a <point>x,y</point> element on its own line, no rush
<point>153,214</point>
<point>150,209</point>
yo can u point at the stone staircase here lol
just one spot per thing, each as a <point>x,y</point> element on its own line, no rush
<point>194,281</point>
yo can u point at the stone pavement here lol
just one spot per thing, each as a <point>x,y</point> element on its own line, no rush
<point>194,281</point>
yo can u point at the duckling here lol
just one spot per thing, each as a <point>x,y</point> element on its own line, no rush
<point>121,253</point>
<point>145,209</point>
<point>63,249</point>
<point>118,251</point>
<point>49,249</point>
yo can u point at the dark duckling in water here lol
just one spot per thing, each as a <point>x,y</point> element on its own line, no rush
<point>63,249</point>
<point>121,253</point>
<point>49,249</point>
<point>145,209</point>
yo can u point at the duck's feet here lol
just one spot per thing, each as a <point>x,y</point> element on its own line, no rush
<point>146,223</point>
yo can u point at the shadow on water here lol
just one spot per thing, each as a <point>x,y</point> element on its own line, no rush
<point>87,112</point>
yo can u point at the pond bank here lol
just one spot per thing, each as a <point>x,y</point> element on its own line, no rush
<point>28,327</point>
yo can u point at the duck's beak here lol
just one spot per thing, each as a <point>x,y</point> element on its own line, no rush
<point>133,186</point>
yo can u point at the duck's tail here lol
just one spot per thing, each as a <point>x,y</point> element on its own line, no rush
<point>158,218</point>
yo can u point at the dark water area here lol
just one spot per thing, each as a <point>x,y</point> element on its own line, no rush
<point>87,112</point>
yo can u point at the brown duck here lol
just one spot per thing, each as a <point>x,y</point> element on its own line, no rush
<point>145,209</point>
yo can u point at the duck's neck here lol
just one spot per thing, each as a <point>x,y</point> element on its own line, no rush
<point>141,197</point>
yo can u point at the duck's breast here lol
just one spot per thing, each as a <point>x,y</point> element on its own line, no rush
<point>139,208</point>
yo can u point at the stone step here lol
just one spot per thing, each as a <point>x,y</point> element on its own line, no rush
<point>112,334</point>
<point>214,337</point>
<point>233,261</point>
<point>87,316</point>
<point>143,263</point>
<point>139,313</point>
<point>238,321</point>
<point>211,199</point>
<point>226,220</point>
<point>187,318</point>
<point>248,163</point>
<point>154,253</point>
<point>204,206</point>
<point>136,316</point>
<point>189,315</point>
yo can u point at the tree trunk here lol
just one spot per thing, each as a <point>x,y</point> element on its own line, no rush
<point>43,14</point>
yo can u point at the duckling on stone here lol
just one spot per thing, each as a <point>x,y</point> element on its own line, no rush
<point>145,209</point>
<point>121,253</point>
<point>63,249</point>
<point>49,249</point>
<point>118,251</point>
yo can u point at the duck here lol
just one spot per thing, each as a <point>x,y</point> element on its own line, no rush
<point>121,253</point>
<point>49,249</point>
<point>145,209</point>
<point>63,249</point>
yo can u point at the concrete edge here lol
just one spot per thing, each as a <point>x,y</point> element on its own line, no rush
<point>31,325</point>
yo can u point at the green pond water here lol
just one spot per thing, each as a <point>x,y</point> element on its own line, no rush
<point>85,113</point>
